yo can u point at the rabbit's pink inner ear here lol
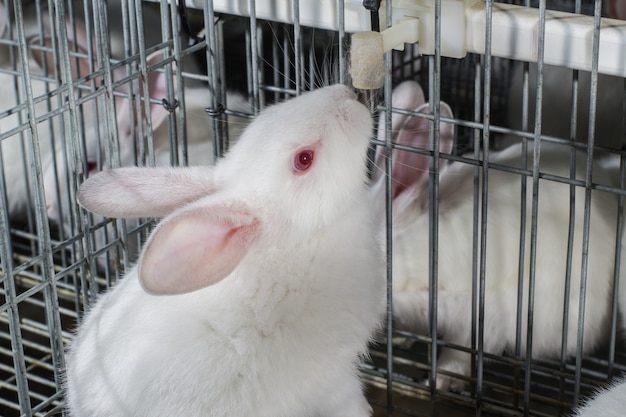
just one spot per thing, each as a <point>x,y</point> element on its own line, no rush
<point>407,96</point>
<point>446,130</point>
<point>195,249</point>
<point>410,169</point>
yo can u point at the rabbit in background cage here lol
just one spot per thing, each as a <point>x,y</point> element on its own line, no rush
<point>55,173</point>
<point>557,99</point>
<point>16,161</point>
<point>258,291</point>
<point>198,140</point>
<point>410,257</point>
<point>16,164</point>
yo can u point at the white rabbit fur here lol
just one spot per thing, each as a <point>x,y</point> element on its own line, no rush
<point>606,402</point>
<point>295,267</point>
<point>411,247</point>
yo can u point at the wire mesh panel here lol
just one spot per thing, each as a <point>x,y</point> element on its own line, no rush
<point>514,223</point>
<point>86,85</point>
<point>459,278</point>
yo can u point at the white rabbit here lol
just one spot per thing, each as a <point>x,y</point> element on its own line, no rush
<point>257,293</point>
<point>16,162</point>
<point>607,402</point>
<point>410,260</point>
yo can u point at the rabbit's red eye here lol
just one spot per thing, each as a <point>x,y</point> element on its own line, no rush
<point>303,160</point>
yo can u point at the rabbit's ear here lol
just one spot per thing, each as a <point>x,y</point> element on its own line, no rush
<point>410,169</point>
<point>144,192</point>
<point>407,95</point>
<point>196,248</point>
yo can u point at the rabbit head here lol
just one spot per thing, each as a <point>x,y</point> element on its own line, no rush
<point>310,179</point>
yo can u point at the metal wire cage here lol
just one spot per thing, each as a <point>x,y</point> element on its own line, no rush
<point>89,85</point>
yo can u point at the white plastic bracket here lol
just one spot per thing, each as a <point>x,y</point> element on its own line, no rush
<point>515,29</point>
<point>453,24</point>
<point>406,30</point>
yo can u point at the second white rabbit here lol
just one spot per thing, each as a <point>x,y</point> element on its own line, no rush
<point>456,235</point>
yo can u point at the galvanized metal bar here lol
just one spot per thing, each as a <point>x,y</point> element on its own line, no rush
<point>484,208</point>
<point>254,57</point>
<point>477,138</point>
<point>571,228</point>
<point>388,152</point>
<point>433,198</point>
<point>212,55</point>
<point>286,65</point>
<point>275,62</point>
<point>166,34</point>
<point>53,318</point>
<point>593,99</point>
<point>176,95</point>
<point>261,86</point>
<point>534,206</point>
<point>111,159</point>
<point>297,42</point>
<point>10,284</point>
<point>617,281</point>
<point>341,23</point>
<point>523,221</point>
